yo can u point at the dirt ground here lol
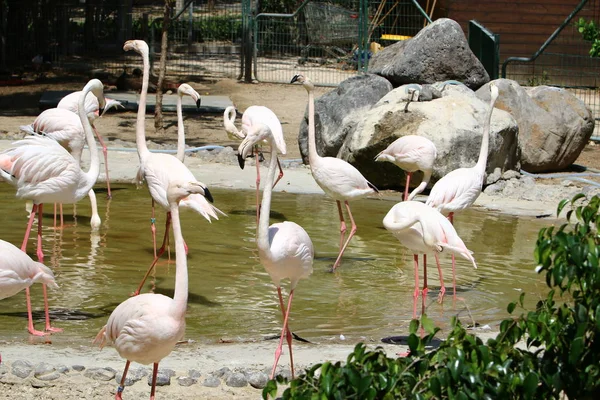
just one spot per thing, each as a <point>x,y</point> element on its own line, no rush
<point>19,106</point>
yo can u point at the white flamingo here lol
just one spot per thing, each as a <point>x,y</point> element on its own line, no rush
<point>17,272</point>
<point>146,328</point>
<point>44,172</point>
<point>183,90</point>
<point>338,178</point>
<point>160,169</point>
<point>459,189</point>
<point>285,249</point>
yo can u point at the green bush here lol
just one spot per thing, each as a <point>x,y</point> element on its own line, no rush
<point>559,355</point>
<point>591,33</point>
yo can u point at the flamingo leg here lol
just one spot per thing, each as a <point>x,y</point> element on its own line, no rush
<point>416,291</point>
<point>62,220</point>
<point>442,286</point>
<point>122,384</point>
<point>425,287</point>
<point>157,256</point>
<point>352,232</point>
<point>257,186</point>
<point>154,374</point>
<point>408,174</point>
<point>283,331</point>
<point>54,216</point>
<point>30,327</point>
<point>39,251</point>
<point>342,231</point>
<point>28,229</point>
<point>280,173</point>
<point>47,312</point>
<point>139,289</point>
<point>153,228</point>
<point>451,218</point>
<point>105,153</point>
<point>288,333</point>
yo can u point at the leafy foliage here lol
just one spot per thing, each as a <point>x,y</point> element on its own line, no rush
<point>590,32</point>
<point>558,353</point>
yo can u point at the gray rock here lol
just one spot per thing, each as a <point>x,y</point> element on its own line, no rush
<point>554,125</point>
<point>186,381</point>
<point>63,369</point>
<point>222,372</point>
<point>354,95</point>
<point>22,369</point>
<point>78,368</point>
<point>3,370</point>
<point>211,381</point>
<point>511,174</point>
<point>194,374</point>
<point>258,380</point>
<point>163,377</point>
<point>236,379</point>
<point>49,376</point>
<point>100,374</point>
<point>439,52</point>
<point>495,188</point>
<point>133,375</point>
<point>493,177</point>
<point>46,372</point>
<point>39,384</point>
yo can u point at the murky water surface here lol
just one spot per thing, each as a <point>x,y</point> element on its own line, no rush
<point>231,295</point>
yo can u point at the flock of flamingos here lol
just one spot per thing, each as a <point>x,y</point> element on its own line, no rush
<point>146,327</point>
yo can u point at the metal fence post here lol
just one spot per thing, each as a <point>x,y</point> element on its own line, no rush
<point>247,49</point>
<point>363,46</point>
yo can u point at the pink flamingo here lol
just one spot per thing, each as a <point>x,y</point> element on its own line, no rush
<point>459,189</point>
<point>183,90</point>
<point>146,328</point>
<point>338,178</point>
<point>17,272</point>
<point>159,169</point>
<point>93,105</point>
<point>252,116</point>
<point>423,229</point>
<point>285,249</point>
<point>43,171</point>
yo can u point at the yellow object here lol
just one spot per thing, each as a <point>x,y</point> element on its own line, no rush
<point>395,37</point>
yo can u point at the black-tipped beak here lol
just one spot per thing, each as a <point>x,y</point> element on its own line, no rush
<point>208,196</point>
<point>294,79</point>
<point>241,161</point>
<point>198,103</point>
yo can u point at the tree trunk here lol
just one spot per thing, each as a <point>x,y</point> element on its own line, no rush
<point>164,44</point>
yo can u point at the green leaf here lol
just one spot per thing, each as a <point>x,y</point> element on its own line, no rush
<point>530,384</point>
<point>511,307</point>
<point>427,323</point>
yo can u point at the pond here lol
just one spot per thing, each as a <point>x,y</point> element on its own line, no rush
<point>231,295</point>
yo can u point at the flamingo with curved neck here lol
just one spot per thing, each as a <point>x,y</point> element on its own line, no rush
<point>183,90</point>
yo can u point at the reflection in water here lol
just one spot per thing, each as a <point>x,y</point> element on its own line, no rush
<point>231,296</point>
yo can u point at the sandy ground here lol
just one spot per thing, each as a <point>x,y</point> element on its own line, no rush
<point>18,106</point>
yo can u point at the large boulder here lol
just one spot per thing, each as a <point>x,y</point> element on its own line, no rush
<point>439,52</point>
<point>554,125</point>
<point>352,96</point>
<point>454,123</point>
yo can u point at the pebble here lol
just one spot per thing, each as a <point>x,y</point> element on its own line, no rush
<point>186,381</point>
<point>258,380</point>
<point>133,375</point>
<point>22,369</point>
<point>222,373</point>
<point>100,374</point>
<point>46,372</point>
<point>211,381</point>
<point>236,379</point>
<point>194,374</point>
<point>78,368</point>
<point>163,378</point>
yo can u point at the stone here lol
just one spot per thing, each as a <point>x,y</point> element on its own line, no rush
<point>194,374</point>
<point>163,377</point>
<point>554,125</point>
<point>63,369</point>
<point>236,379</point>
<point>511,174</point>
<point>495,188</point>
<point>22,369</point>
<point>493,177</point>
<point>439,52</point>
<point>454,123</point>
<point>78,368</point>
<point>222,372</point>
<point>211,381</point>
<point>46,372</point>
<point>186,381</point>
<point>258,380</point>
<point>100,374</point>
<point>352,96</point>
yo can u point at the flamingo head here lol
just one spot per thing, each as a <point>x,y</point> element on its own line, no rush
<point>181,189</point>
<point>307,83</point>
<point>186,90</point>
<point>493,91</point>
<point>138,46</point>
<point>256,134</point>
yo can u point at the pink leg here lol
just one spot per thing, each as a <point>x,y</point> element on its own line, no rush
<point>408,174</point>
<point>342,232</point>
<point>28,229</point>
<point>257,186</point>
<point>54,216</point>
<point>425,287</point>
<point>153,228</point>
<point>416,291</point>
<point>105,152</point>
<point>157,256</point>
<point>62,220</point>
<point>288,333</point>
<point>154,373</point>
<point>280,173</point>
<point>442,286</point>
<point>39,252</point>
<point>30,327</point>
<point>122,384</point>
<point>47,312</point>
<point>352,232</point>
<point>451,218</point>
<point>283,331</point>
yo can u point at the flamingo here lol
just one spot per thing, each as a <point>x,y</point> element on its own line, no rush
<point>252,116</point>
<point>338,178</point>
<point>411,153</point>
<point>66,128</point>
<point>459,189</point>
<point>183,90</point>
<point>284,249</point>
<point>43,171</point>
<point>158,169</point>
<point>93,105</point>
<point>17,272</point>
<point>423,229</point>
<point>146,328</point>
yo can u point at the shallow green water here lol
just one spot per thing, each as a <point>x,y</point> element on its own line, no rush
<point>232,297</point>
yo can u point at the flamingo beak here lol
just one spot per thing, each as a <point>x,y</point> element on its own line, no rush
<point>295,78</point>
<point>241,161</point>
<point>198,103</point>
<point>208,196</point>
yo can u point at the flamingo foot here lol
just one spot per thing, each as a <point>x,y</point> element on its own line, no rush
<point>35,332</point>
<point>119,393</point>
<point>424,292</point>
<point>441,295</point>
<point>53,330</point>
<point>403,354</point>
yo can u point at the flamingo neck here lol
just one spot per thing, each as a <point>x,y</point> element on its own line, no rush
<point>181,273</point>
<point>313,155</point>
<point>180,130</point>
<point>140,125</point>
<point>265,205</point>
<point>94,171</point>
<point>485,140</point>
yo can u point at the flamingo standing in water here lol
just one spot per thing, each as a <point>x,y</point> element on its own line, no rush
<point>43,171</point>
<point>253,116</point>
<point>423,229</point>
<point>17,272</point>
<point>285,249</point>
<point>93,106</point>
<point>183,90</point>
<point>459,189</point>
<point>338,178</point>
<point>146,328</point>
<point>160,169</point>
